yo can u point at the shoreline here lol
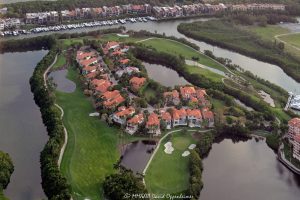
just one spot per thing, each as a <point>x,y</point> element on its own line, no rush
<point>289,165</point>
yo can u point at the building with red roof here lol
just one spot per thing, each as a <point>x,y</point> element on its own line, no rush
<point>134,122</point>
<point>179,117</point>
<point>153,124</point>
<point>136,83</point>
<point>294,128</point>
<point>167,118</point>
<point>296,147</point>
<point>187,92</point>
<point>88,69</point>
<point>194,117</point>
<point>172,97</point>
<point>112,99</point>
<point>208,116</point>
<point>81,55</point>
<point>120,117</point>
<point>101,86</point>
<point>88,62</point>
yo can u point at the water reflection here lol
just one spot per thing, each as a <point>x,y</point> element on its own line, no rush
<point>62,83</point>
<point>164,75</point>
<point>22,133</point>
<point>246,170</point>
<point>137,154</point>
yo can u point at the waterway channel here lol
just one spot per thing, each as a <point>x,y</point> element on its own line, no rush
<point>22,133</point>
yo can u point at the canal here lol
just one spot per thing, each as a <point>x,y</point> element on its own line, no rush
<point>22,133</point>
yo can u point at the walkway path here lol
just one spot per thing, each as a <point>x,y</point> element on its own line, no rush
<point>277,37</point>
<point>62,150</point>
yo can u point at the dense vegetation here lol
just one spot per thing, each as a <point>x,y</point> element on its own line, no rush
<point>6,169</point>
<point>124,185</point>
<point>195,181</point>
<point>273,141</point>
<point>227,35</point>
<point>54,184</point>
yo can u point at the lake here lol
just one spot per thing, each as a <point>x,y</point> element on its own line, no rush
<point>22,132</point>
<point>247,170</point>
<point>163,75</point>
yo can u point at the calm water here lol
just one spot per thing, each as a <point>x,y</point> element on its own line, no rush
<point>164,75</point>
<point>22,132</point>
<point>247,170</point>
<point>62,83</point>
<point>137,154</point>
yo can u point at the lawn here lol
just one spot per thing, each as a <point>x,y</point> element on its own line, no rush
<point>92,145</point>
<point>267,32</point>
<point>61,61</point>
<point>2,197</point>
<point>205,72</point>
<point>177,48</point>
<point>293,39</point>
<point>170,173</point>
<point>115,37</point>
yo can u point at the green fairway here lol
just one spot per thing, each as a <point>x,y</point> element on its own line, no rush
<point>205,72</point>
<point>92,145</point>
<point>293,39</point>
<point>115,37</point>
<point>176,48</point>
<point>61,61</point>
<point>170,173</point>
<point>267,32</point>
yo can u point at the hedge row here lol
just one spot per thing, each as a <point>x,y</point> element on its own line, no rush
<point>54,184</point>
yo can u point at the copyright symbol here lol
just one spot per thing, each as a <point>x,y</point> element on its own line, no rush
<point>126,196</point>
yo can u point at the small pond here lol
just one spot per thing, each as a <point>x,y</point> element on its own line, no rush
<point>63,84</point>
<point>137,154</point>
<point>165,76</point>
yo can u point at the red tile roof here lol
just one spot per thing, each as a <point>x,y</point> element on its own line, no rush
<point>110,94</point>
<point>124,61</point>
<point>153,120</point>
<point>174,94</point>
<point>207,114</point>
<point>295,122</point>
<point>177,114</point>
<point>103,85</point>
<point>111,44</point>
<point>137,119</point>
<point>117,53</point>
<point>87,62</point>
<point>114,102</point>
<point>201,93</point>
<point>91,75</point>
<point>188,90</point>
<point>82,55</point>
<point>137,81</point>
<point>127,112</point>
<point>194,113</point>
<point>89,68</point>
<point>166,116</point>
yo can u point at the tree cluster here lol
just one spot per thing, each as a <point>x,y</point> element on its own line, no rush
<point>123,185</point>
<point>6,169</point>
<point>54,184</point>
